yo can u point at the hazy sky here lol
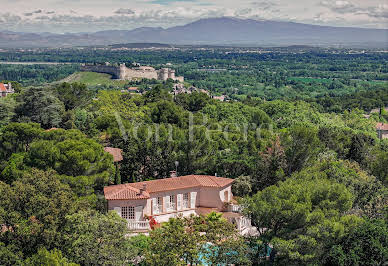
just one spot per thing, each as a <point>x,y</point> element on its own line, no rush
<point>94,15</point>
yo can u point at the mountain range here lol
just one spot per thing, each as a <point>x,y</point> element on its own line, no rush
<point>211,31</point>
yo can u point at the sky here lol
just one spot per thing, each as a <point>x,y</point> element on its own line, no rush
<point>61,16</point>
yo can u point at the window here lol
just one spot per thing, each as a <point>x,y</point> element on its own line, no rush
<point>226,196</point>
<point>171,203</point>
<point>159,201</point>
<point>128,213</point>
<point>172,199</point>
<point>186,200</point>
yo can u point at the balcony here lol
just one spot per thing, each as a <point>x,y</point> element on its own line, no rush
<point>139,225</point>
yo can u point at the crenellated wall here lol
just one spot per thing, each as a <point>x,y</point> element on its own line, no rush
<point>112,70</point>
<point>125,73</point>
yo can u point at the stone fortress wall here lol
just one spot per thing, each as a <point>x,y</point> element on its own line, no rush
<point>125,73</point>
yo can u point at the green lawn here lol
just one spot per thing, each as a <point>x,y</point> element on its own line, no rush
<point>94,79</point>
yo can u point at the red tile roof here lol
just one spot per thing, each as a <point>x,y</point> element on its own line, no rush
<point>168,184</point>
<point>2,87</point>
<point>124,191</point>
<point>381,126</point>
<point>116,153</point>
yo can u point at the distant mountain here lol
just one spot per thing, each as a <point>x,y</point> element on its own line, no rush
<point>212,31</point>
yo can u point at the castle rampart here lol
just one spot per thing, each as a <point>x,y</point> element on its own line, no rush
<point>112,70</point>
<point>125,73</point>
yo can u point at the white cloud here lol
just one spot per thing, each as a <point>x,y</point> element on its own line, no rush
<point>124,11</point>
<point>347,7</point>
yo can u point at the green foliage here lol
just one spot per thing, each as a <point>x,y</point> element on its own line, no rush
<point>40,105</point>
<point>52,258</point>
<point>301,217</point>
<point>33,211</point>
<point>7,110</point>
<point>92,238</point>
<point>193,102</point>
<point>302,146</point>
<point>367,244</point>
<point>242,186</point>
<point>210,239</point>
<point>73,95</point>
<point>70,153</point>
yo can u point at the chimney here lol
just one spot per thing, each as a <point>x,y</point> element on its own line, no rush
<point>143,189</point>
<point>173,174</point>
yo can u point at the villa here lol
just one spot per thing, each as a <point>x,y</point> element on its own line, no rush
<point>382,130</point>
<point>6,89</point>
<point>163,199</point>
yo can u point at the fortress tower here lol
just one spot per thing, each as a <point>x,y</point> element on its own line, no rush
<point>123,71</point>
<point>171,74</point>
<point>163,74</point>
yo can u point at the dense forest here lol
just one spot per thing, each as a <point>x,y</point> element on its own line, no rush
<point>308,166</point>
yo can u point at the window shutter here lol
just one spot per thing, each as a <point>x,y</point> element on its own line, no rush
<point>179,202</point>
<point>154,205</point>
<point>138,213</point>
<point>193,199</point>
<point>118,210</point>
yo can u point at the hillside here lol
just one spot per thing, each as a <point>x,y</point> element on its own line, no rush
<point>94,79</point>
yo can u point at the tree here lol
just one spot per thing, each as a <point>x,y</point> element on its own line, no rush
<point>367,244</point>
<point>271,166</point>
<point>166,112</point>
<point>193,102</point>
<point>301,217</point>
<point>40,106</point>
<point>33,211</point>
<point>302,145</point>
<point>73,95</point>
<point>16,137</point>
<point>242,186</point>
<point>172,244</point>
<point>45,257</point>
<point>69,152</point>
<point>7,110</point>
<point>156,94</point>
<point>359,148</point>
<point>194,240</point>
<point>92,238</point>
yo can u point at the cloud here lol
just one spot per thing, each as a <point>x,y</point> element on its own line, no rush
<point>340,6</point>
<point>264,5</point>
<point>124,11</point>
<point>50,12</point>
<point>29,14</point>
<point>167,2</point>
<point>347,7</point>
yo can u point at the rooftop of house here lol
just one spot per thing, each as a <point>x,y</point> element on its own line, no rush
<point>116,153</point>
<point>2,87</point>
<point>381,126</point>
<point>142,190</point>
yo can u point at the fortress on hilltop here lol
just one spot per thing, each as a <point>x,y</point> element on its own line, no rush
<point>125,73</point>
